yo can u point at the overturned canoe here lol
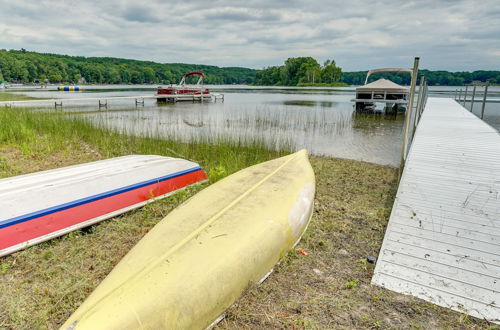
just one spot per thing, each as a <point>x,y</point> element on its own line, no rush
<point>39,206</point>
<point>199,260</point>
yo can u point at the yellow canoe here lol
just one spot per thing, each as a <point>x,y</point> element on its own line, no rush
<point>199,260</point>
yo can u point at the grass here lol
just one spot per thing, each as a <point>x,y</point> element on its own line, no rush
<point>328,288</point>
<point>38,137</point>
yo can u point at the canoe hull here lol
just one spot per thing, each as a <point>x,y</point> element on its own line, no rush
<point>202,257</point>
<point>71,198</point>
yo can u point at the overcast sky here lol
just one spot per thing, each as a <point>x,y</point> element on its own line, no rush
<point>358,34</point>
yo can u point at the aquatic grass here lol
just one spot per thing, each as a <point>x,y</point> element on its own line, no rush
<point>40,133</point>
<point>277,128</point>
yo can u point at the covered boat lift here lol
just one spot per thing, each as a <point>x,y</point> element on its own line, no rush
<point>394,96</point>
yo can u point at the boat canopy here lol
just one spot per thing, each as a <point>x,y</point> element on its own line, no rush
<point>383,85</point>
<point>395,70</point>
<point>194,73</point>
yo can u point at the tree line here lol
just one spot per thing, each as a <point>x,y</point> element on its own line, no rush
<point>433,78</point>
<point>300,71</point>
<point>30,67</point>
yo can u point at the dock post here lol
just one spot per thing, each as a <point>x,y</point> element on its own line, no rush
<point>103,104</point>
<point>409,111</point>
<point>484,99</point>
<point>459,95</point>
<point>465,96</point>
<point>473,96</point>
<point>456,90</point>
<point>424,98</point>
<point>137,102</point>
<point>58,104</point>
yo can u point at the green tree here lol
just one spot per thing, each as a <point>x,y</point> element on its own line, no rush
<point>297,68</point>
<point>330,73</point>
<point>55,76</point>
<point>149,75</point>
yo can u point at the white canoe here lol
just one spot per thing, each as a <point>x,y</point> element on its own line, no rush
<point>200,259</point>
<point>39,206</point>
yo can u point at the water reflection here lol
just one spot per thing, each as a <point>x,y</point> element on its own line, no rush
<point>309,103</point>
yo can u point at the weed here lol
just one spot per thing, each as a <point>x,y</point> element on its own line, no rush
<point>351,284</point>
<point>4,268</point>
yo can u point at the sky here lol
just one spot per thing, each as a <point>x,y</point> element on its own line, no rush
<point>357,34</point>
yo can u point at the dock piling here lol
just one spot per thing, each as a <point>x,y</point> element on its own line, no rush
<point>465,96</point>
<point>139,102</point>
<point>103,104</point>
<point>473,96</point>
<point>484,99</point>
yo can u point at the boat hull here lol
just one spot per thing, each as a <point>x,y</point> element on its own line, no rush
<point>181,91</point>
<point>44,205</point>
<point>201,258</point>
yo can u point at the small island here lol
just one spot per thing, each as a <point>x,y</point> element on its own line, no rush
<point>301,71</point>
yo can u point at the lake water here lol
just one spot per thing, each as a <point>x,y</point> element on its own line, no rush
<point>321,120</point>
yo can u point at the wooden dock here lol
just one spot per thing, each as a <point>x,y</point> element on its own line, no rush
<point>442,242</point>
<point>103,101</point>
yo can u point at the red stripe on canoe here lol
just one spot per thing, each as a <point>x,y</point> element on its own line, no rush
<point>38,227</point>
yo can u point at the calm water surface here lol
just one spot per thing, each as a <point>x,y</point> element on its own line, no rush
<point>321,120</point>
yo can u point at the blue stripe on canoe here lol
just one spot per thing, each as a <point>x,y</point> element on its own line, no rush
<point>65,206</point>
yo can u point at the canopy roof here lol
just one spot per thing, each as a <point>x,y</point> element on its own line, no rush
<point>383,85</point>
<point>395,70</point>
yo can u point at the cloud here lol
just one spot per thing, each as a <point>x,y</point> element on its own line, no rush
<point>136,13</point>
<point>450,35</point>
<point>232,15</point>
